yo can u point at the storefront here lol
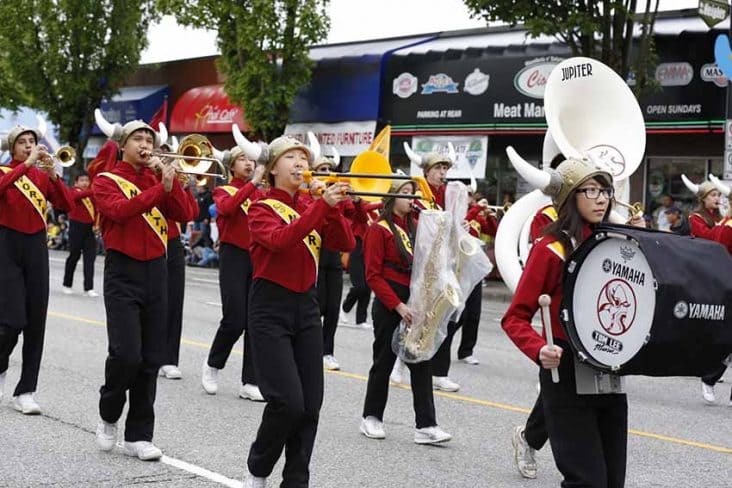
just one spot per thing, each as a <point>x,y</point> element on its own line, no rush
<point>488,87</point>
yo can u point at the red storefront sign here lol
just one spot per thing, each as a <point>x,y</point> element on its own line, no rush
<point>206,109</point>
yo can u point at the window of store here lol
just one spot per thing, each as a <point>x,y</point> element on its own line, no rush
<point>663,177</point>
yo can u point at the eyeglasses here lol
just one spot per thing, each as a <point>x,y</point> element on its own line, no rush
<point>593,192</point>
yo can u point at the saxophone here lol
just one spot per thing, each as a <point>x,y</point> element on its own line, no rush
<point>442,297</point>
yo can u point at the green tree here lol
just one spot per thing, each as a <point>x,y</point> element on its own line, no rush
<point>69,54</point>
<point>599,29</point>
<point>264,48</point>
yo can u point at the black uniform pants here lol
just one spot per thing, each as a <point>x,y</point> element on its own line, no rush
<point>535,431</point>
<point>23,302</point>
<point>136,301</point>
<point>235,280</point>
<point>377,389</point>
<point>330,291</point>
<point>588,433</point>
<point>176,264</point>
<point>287,341</point>
<point>359,294</point>
<point>469,321</point>
<point>81,239</point>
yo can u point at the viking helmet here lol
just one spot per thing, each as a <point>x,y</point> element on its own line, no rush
<point>15,132</point>
<point>701,190</point>
<point>427,161</point>
<point>120,133</point>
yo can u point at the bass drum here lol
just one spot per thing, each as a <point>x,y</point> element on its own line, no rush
<point>643,302</point>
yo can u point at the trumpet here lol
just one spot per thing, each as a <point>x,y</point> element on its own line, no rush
<point>371,185</point>
<point>497,208</point>
<point>635,210</point>
<point>65,156</point>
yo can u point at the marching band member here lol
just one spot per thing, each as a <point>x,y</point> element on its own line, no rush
<point>588,433</point>
<point>233,202</point>
<point>529,438</point>
<point>284,318</point>
<point>176,265</point>
<point>704,222</point>
<point>24,192</point>
<point>81,236</point>
<point>360,294</point>
<point>388,257</point>
<point>133,207</point>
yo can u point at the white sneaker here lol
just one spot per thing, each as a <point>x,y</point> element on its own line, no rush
<point>372,428</point>
<point>444,383</point>
<point>26,404</point>
<point>210,379</point>
<point>250,392</point>
<point>400,373</point>
<point>2,384</point>
<point>431,435</point>
<point>523,454</point>
<point>106,435</point>
<point>708,394</point>
<point>143,450</point>
<point>330,363</point>
<point>67,290</point>
<point>252,481</point>
<point>171,372</point>
<point>472,360</point>
<point>91,294</point>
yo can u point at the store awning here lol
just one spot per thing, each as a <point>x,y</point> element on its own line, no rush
<point>206,109</point>
<point>133,103</point>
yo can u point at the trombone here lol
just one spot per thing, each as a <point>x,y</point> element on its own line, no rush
<point>371,178</point>
<point>635,210</point>
<point>192,155</point>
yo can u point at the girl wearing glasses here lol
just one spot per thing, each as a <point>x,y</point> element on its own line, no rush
<point>588,433</point>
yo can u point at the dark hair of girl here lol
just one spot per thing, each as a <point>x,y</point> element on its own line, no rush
<point>569,224</point>
<point>387,215</point>
<point>702,211</point>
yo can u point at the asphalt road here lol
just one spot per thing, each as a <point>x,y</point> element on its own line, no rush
<point>675,440</point>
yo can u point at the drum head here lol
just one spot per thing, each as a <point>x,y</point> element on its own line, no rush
<point>609,301</point>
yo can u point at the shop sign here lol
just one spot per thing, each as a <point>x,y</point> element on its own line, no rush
<point>712,12</point>
<point>470,152</point>
<point>404,85</point>
<point>439,83</point>
<point>531,80</point>
<point>476,83</point>
<point>349,138</point>
<point>674,74</point>
<point>710,72</point>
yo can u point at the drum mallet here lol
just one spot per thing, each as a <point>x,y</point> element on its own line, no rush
<point>544,302</point>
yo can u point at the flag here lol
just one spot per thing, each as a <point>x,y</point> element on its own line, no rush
<point>382,142</point>
<point>160,116</point>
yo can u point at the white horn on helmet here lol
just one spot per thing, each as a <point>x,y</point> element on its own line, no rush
<point>314,146</point>
<point>162,134</point>
<point>42,127</point>
<point>691,186</point>
<point>537,178</point>
<point>723,189</point>
<point>336,157</point>
<point>174,143</point>
<point>413,157</point>
<point>451,154</point>
<point>112,131</point>
<point>251,149</point>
